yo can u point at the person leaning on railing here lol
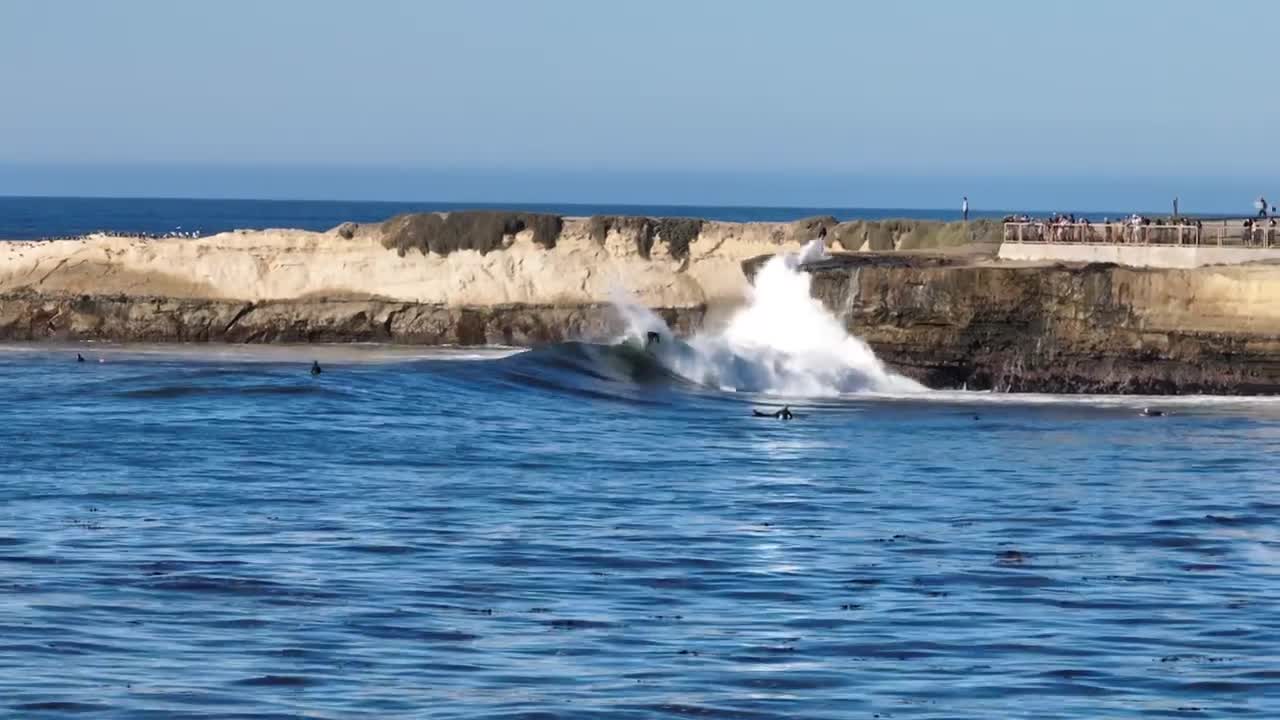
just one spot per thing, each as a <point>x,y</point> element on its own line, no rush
<point>1132,229</point>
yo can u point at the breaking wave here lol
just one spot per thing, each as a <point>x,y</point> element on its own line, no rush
<point>782,341</point>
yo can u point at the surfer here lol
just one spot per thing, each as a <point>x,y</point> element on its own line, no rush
<point>79,357</point>
<point>651,338</point>
<point>315,367</point>
<point>783,414</point>
<point>1148,412</point>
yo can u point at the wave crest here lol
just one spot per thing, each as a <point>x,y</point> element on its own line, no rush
<point>782,341</point>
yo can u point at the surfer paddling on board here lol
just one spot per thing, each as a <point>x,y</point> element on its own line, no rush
<point>783,414</point>
<point>651,338</point>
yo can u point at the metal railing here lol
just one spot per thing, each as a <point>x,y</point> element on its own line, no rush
<point>1224,234</point>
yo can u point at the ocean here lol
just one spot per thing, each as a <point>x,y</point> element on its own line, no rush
<point>28,218</point>
<point>609,530</point>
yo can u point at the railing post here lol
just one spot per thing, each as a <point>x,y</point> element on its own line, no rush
<point>1178,234</point>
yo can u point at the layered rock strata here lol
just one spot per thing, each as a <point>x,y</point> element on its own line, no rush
<point>1083,328</point>
<point>950,320</point>
<point>464,277</point>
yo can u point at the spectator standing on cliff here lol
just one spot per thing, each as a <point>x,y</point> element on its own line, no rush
<point>1261,204</point>
<point>964,208</point>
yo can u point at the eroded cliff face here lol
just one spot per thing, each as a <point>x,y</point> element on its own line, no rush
<point>467,278</point>
<point>524,279</point>
<point>412,260</point>
<point>1072,329</point>
<point>26,316</point>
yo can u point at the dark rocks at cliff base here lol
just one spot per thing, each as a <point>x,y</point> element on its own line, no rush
<point>481,230</point>
<point>1056,329</point>
<point>951,317</point>
<point>840,262</point>
<point>29,316</point>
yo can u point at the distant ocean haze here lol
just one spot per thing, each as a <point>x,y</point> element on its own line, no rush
<point>26,218</point>
<point>713,193</point>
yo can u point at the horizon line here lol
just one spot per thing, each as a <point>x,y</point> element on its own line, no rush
<point>498,205</point>
<point>880,174</point>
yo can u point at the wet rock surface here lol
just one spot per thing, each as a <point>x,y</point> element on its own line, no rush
<point>30,316</point>
<point>1060,329</point>
<point>951,317</point>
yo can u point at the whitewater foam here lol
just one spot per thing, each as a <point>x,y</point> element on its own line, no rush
<point>781,342</point>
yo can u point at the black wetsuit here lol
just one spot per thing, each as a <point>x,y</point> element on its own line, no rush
<point>315,367</point>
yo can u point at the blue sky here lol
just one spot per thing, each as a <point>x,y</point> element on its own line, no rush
<point>1088,104</point>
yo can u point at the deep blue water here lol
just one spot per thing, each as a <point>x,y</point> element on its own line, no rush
<point>40,217</point>
<point>216,533</point>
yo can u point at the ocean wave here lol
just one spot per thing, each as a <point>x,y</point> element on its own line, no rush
<point>781,342</point>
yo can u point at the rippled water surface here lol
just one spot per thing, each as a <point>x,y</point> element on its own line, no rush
<point>553,534</point>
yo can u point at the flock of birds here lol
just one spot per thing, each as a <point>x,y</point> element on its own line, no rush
<point>178,233</point>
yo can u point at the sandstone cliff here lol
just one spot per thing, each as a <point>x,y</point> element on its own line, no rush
<point>1063,328</point>
<point>408,259</point>
<point>466,277</point>
<point>950,320</point>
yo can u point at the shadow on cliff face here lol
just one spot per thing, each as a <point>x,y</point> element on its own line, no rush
<point>479,230</point>
<point>485,231</point>
<point>885,235</point>
<point>677,233</point>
